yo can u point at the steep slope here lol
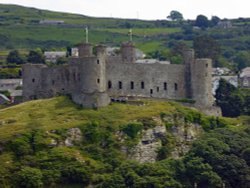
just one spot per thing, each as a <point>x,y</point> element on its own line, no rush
<point>55,142</point>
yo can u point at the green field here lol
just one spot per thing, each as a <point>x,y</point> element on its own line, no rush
<point>20,29</point>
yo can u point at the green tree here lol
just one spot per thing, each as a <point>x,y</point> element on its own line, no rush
<point>175,16</point>
<point>206,47</point>
<point>215,20</point>
<point>202,21</point>
<point>36,57</point>
<point>229,99</point>
<point>29,177</point>
<point>14,58</point>
<point>242,59</point>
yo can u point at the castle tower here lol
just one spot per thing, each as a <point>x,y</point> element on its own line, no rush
<point>101,54</point>
<point>93,84</point>
<point>85,50</point>
<point>128,52</point>
<point>201,79</point>
<point>189,59</point>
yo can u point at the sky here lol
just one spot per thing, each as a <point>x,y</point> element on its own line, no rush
<point>143,9</point>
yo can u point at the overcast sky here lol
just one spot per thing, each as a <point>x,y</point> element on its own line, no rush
<point>143,9</point>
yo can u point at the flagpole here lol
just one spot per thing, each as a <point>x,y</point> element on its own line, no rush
<point>87,34</point>
<point>131,35</point>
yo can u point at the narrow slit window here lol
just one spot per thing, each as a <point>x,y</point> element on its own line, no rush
<point>158,89</point>
<point>165,86</point>
<point>109,84</point>
<point>142,85</point>
<point>131,85</point>
<point>151,91</point>
<point>33,80</point>
<point>98,61</point>
<point>98,80</point>
<point>120,85</point>
<point>175,86</point>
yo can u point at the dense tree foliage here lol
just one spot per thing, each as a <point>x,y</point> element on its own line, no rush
<point>206,47</point>
<point>175,16</point>
<point>36,56</point>
<point>233,101</point>
<point>14,58</point>
<point>202,21</point>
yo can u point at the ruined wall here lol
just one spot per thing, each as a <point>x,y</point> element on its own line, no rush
<point>148,80</point>
<point>32,81</point>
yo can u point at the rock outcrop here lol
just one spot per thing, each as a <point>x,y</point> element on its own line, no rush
<point>184,135</point>
<point>74,135</point>
<point>146,149</point>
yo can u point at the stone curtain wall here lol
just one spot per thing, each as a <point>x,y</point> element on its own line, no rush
<point>149,80</point>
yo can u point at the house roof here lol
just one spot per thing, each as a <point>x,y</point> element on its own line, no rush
<point>11,81</point>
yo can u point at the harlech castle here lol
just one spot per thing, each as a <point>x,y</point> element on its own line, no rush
<point>92,80</point>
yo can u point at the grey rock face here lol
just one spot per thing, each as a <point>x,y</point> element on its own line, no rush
<point>74,136</point>
<point>184,136</point>
<point>146,149</point>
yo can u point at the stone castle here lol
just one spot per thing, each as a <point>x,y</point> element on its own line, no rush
<point>91,80</point>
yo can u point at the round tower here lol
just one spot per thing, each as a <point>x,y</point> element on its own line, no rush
<point>85,50</point>
<point>101,51</point>
<point>93,83</point>
<point>188,56</point>
<point>201,72</point>
<point>128,52</point>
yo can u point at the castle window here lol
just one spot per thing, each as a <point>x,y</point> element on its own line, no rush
<point>206,65</point>
<point>33,80</point>
<point>158,89</point>
<point>165,86</point>
<point>142,85</point>
<point>175,86</point>
<point>109,84</point>
<point>98,61</point>
<point>98,80</point>
<point>131,85</point>
<point>120,85</point>
<point>151,91</point>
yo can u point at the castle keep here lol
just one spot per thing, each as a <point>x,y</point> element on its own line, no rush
<point>91,80</point>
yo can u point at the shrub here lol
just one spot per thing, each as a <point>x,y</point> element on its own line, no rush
<point>132,129</point>
<point>29,177</point>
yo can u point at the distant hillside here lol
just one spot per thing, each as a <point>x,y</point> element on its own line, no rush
<point>21,28</point>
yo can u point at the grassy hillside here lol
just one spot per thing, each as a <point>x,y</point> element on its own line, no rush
<point>20,29</point>
<point>60,112</point>
<point>30,159</point>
